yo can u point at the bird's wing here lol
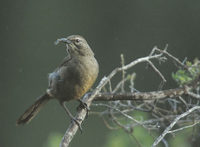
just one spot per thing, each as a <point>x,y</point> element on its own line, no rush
<point>65,61</point>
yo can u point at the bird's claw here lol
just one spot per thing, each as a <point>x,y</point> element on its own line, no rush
<point>83,105</point>
<point>77,121</point>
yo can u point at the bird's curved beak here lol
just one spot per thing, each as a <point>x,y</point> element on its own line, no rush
<point>64,40</point>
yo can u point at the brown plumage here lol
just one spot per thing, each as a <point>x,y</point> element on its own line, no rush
<point>31,112</point>
<point>71,80</point>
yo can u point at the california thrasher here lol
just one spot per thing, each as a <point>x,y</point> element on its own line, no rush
<point>71,80</point>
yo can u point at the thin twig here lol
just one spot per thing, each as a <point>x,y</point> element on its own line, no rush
<point>166,131</point>
<point>172,57</point>
<point>185,127</point>
<point>157,71</point>
<point>123,72</point>
<point>72,129</point>
<point>162,110</point>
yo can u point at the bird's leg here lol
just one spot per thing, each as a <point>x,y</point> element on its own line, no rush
<point>71,116</point>
<point>83,105</point>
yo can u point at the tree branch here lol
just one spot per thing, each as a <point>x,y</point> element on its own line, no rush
<point>97,95</point>
<point>154,95</point>
<point>72,129</point>
<point>167,130</point>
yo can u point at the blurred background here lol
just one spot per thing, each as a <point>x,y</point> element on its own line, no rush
<point>132,27</point>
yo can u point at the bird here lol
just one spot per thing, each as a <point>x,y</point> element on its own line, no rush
<point>70,80</point>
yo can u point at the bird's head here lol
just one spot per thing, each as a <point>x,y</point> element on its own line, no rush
<point>76,45</point>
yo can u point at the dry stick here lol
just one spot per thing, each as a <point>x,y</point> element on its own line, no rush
<point>122,113</point>
<point>194,95</point>
<point>151,121</point>
<point>171,56</point>
<point>123,72</point>
<point>157,71</point>
<point>154,95</point>
<point>180,129</point>
<point>167,130</point>
<point>108,125</point>
<point>72,129</point>
<point>119,84</point>
<point>126,129</point>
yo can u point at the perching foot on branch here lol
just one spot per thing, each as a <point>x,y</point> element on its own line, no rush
<point>73,119</point>
<point>83,105</point>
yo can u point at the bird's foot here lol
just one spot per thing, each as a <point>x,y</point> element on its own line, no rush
<point>83,105</point>
<point>77,121</point>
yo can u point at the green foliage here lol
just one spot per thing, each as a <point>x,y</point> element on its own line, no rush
<point>183,76</point>
<point>53,140</point>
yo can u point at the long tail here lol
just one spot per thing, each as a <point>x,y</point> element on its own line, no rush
<point>33,110</point>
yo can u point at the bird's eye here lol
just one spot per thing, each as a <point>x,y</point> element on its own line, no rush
<point>77,40</point>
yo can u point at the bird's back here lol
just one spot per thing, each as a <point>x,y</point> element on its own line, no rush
<point>74,78</point>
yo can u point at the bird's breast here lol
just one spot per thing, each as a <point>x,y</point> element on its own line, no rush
<point>77,78</point>
<point>88,72</point>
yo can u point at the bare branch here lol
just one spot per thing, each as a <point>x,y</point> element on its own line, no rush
<point>192,94</point>
<point>72,129</point>
<point>185,127</point>
<point>154,95</point>
<point>157,71</point>
<point>172,57</point>
<point>166,131</point>
<point>161,105</point>
<point>123,72</point>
